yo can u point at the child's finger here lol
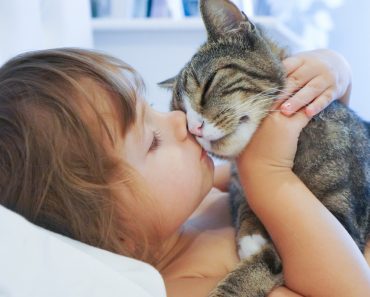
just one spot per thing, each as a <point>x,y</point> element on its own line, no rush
<point>301,118</point>
<point>304,96</point>
<point>320,103</point>
<point>277,104</point>
<point>296,80</point>
<point>291,64</point>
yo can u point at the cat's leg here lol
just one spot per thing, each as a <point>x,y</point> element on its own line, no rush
<point>260,268</point>
<point>252,277</point>
<point>251,235</point>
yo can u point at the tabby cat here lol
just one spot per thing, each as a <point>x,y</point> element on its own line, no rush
<point>226,89</point>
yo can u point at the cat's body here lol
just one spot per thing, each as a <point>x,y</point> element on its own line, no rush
<point>226,90</point>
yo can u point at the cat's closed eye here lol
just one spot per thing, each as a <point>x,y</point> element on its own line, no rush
<point>244,119</point>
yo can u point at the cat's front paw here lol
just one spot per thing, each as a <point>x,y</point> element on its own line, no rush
<point>250,245</point>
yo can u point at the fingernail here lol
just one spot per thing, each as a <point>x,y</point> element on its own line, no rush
<point>287,106</point>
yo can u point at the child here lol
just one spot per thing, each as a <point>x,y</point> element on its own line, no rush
<point>82,154</point>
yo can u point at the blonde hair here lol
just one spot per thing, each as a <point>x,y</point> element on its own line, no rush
<point>54,170</point>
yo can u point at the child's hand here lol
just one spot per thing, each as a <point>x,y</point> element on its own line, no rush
<point>315,79</point>
<point>274,144</point>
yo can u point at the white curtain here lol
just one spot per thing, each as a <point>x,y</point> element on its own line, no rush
<point>38,24</point>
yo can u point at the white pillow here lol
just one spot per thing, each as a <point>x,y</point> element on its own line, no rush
<point>37,262</point>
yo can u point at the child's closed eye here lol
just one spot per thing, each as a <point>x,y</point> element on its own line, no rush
<point>156,142</point>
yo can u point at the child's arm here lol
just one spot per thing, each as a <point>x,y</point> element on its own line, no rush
<point>316,78</point>
<point>319,257</point>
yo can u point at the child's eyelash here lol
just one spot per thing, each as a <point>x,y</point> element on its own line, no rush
<point>156,140</point>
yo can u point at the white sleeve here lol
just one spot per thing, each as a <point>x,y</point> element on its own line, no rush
<point>37,262</point>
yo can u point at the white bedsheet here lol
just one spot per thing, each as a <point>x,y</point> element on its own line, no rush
<point>37,262</point>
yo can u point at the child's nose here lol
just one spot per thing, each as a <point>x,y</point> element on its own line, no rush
<point>179,124</point>
<point>196,128</point>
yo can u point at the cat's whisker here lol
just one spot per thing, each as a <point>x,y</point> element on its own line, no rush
<point>266,93</point>
<point>266,97</point>
<point>256,100</point>
<point>254,109</point>
<point>283,91</point>
<point>254,106</point>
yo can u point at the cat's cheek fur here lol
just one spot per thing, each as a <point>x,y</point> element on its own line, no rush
<point>192,116</point>
<point>251,245</point>
<point>211,132</point>
<point>206,144</point>
<point>232,145</point>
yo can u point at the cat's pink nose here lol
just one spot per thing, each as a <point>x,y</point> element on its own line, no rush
<point>196,129</point>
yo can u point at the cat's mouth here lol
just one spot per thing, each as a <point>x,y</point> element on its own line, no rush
<point>229,145</point>
<point>214,146</point>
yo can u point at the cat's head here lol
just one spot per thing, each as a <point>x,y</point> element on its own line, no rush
<point>230,83</point>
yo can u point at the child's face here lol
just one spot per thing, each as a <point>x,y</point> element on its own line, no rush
<point>177,171</point>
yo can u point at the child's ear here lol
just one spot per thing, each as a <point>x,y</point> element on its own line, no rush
<point>221,17</point>
<point>168,83</point>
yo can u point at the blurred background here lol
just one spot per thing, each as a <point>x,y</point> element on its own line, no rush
<point>157,37</point>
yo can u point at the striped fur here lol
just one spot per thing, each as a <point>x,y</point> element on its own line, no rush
<point>229,85</point>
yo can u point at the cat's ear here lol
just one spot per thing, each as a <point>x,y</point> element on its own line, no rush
<point>168,83</point>
<point>221,17</point>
